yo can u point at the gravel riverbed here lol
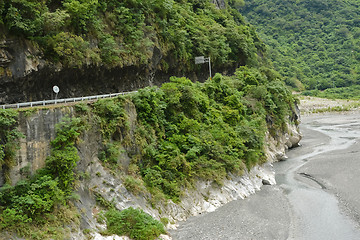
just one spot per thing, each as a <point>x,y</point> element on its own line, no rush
<point>316,196</point>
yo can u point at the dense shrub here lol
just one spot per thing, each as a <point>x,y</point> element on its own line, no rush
<point>63,158</point>
<point>122,33</point>
<point>187,131</point>
<point>133,223</point>
<point>9,135</point>
<point>206,130</point>
<point>24,16</point>
<point>111,115</point>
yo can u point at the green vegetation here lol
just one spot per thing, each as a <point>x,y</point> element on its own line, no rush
<point>112,118</point>
<point>352,92</point>
<point>9,135</point>
<point>183,131</point>
<point>191,130</point>
<point>62,161</point>
<point>123,33</point>
<point>187,131</point>
<point>41,200</point>
<point>315,44</point>
<point>133,223</point>
<point>111,115</point>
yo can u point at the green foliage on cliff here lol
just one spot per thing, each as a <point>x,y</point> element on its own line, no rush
<point>134,223</point>
<point>62,160</point>
<point>122,33</point>
<point>183,132</point>
<point>9,136</point>
<point>313,43</point>
<point>37,200</point>
<point>205,131</point>
<point>111,114</point>
<point>187,131</point>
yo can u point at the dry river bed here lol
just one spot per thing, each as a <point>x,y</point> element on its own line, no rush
<point>317,195</point>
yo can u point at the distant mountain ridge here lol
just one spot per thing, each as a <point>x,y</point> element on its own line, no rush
<point>314,43</point>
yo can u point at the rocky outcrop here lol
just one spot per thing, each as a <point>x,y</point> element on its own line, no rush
<point>26,76</point>
<point>96,180</point>
<point>38,127</point>
<point>219,3</point>
<point>276,148</point>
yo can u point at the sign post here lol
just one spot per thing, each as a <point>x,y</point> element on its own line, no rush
<point>201,60</point>
<point>56,91</point>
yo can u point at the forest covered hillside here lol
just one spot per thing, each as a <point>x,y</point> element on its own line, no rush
<point>153,149</point>
<point>90,46</point>
<point>121,33</point>
<point>314,43</point>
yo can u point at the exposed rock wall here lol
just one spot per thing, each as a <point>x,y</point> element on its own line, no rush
<point>219,3</point>
<point>26,76</point>
<point>39,128</point>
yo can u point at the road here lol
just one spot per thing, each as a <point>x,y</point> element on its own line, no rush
<point>62,101</point>
<point>317,195</point>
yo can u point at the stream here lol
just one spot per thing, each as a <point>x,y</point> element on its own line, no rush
<point>316,196</point>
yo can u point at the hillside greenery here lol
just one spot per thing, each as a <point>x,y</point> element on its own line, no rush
<point>123,33</point>
<point>134,223</point>
<point>38,206</point>
<point>9,139</point>
<point>315,44</point>
<point>184,132</point>
<point>189,131</point>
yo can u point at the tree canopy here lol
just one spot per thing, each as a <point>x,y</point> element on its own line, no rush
<point>123,33</point>
<point>313,43</point>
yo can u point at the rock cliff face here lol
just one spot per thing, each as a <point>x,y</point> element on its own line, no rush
<point>27,73</point>
<point>219,3</point>
<point>39,129</point>
<point>26,76</point>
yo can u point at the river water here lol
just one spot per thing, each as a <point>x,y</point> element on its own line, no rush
<point>316,196</point>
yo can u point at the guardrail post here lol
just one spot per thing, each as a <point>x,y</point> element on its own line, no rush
<point>43,102</point>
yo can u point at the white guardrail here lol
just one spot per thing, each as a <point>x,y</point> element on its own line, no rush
<point>64,100</point>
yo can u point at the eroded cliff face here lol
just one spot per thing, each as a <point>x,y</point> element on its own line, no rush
<point>278,143</point>
<point>26,76</point>
<point>96,180</point>
<point>219,3</point>
<point>39,129</point>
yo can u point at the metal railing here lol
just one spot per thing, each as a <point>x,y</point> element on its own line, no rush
<point>64,100</point>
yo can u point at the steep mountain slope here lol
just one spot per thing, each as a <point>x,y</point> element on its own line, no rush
<point>174,151</point>
<point>315,44</point>
<point>160,149</point>
<point>90,46</point>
